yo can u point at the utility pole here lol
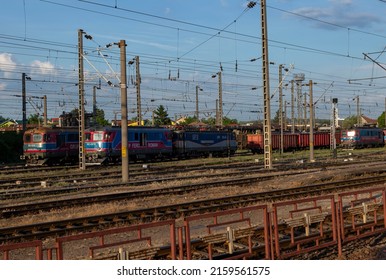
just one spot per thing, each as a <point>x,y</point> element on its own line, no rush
<point>312,159</point>
<point>333,126</point>
<point>197,111</point>
<point>82,157</point>
<point>138,86</point>
<point>281,108</point>
<point>358,112</point>
<point>45,110</point>
<point>220,115</point>
<point>124,149</point>
<point>94,108</point>
<point>266,93</point>
<point>24,101</point>
<point>292,107</point>
<point>219,112</point>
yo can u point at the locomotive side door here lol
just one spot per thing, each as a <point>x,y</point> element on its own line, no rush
<point>143,139</point>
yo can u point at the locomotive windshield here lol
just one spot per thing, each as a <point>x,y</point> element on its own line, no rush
<point>37,138</point>
<point>98,136</point>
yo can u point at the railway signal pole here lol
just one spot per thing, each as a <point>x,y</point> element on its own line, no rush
<point>81,111</point>
<point>266,93</point>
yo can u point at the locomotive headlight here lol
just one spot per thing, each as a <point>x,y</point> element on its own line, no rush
<point>350,133</point>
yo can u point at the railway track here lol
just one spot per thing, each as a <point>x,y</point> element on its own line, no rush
<point>38,207</point>
<point>68,226</point>
<point>82,184</point>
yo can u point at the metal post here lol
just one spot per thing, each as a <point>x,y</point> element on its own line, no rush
<point>138,85</point>
<point>197,112</point>
<point>267,106</point>
<point>311,124</point>
<point>292,107</point>
<point>82,158</point>
<point>124,151</point>
<point>220,115</point>
<point>45,110</point>
<point>333,126</point>
<point>281,108</point>
<point>358,112</point>
<point>94,104</point>
<point>305,112</point>
<point>24,101</point>
<point>217,114</point>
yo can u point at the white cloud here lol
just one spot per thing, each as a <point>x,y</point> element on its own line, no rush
<point>7,65</point>
<point>342,2</point>
<point>340,12</point>
<point>43,67</point>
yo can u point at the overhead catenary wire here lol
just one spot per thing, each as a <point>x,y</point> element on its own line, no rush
<point>185,64</point>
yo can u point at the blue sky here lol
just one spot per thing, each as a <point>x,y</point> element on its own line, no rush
<point>182,43</point>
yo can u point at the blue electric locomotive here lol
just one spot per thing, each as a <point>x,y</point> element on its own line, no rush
<point>362,137</point>
<point>203,143</point>
<point>144,143</point>
<point>50,146</point>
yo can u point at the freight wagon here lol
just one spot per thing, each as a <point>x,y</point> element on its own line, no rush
<point>256,142</point>
<point>291,141</point>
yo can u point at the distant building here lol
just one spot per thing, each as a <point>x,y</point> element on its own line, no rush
<point>10,125</point>
<point>368,121</point>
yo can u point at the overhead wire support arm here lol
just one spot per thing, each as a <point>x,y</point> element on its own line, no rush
<point>283,79</point>
<point>99,73</point>
<point>332,83</point>
<point>108,64</point>
<point>377,63</point>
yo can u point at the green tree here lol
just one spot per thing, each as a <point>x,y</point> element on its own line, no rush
<point>35,119</point>
<point>161,116</point>
<point>228,121</point>
<point>2,119</point>
<point>349,122</point>
<point>209,121</point>
<point>381,120</point>
<point>100,117</point>
<point>189,120</point>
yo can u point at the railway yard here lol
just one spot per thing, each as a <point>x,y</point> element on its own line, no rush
<point>213,208</point>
